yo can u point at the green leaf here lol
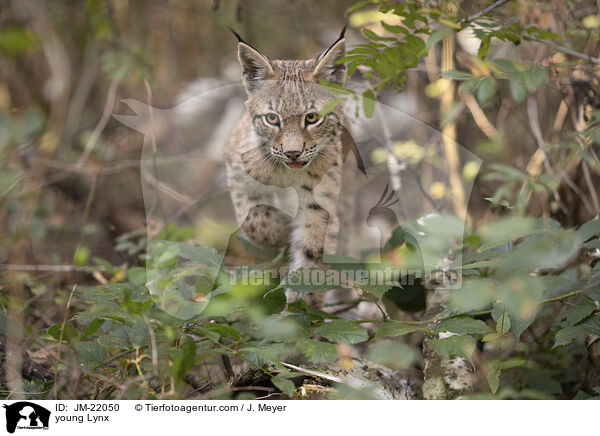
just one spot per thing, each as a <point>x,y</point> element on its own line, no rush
<point>331,105</point>
<point>223,330</point>
<point>342,330</point>
<point>265,354</point>
<point>493,376</point>
<point>581,311</point>
<point>503,230</point>
<point>113,341</point>
<point>137,275</point>
<point>486,91</point>
<point>436,36</point>
<point>470,85</point>
<point>90,354</point>
<point>394,354</point>
<point>185,359</point>
<point>501,317</point>
<point>512,363</point>
<point>374,37</point>
<point>517,90</point>
<point>390,329</point>
<point>462,325</point>
<point>284,385</point>
<point>139,335</point>
<point>210,334</point>
<point>475,294</point>
<point>368,99</point>
<point>547,250</point>
<point>457,75</point>
<point>394,29</point>
<point>484,47</point>
<point>93,327</point>
<point>82,255</point>
<point>358,6</point>
<point>163,251</point>
<point>569,334</point>
<point>69,333</point>
<point>206,255</point>
<point>318,352</point>
<point>273,302</point>
<point>589,229</point>
<point>507,66</point>
<point>454,345</point>
<point>17,40</point>
<point>377,291</point>
<point>534,78</point>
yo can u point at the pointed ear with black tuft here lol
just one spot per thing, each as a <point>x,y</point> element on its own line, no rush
<point>328,68</point>
<point>255,66</point>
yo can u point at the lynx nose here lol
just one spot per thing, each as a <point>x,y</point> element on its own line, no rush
<point>294,154</point>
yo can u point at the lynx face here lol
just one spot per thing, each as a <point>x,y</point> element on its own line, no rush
<point>285,102</point>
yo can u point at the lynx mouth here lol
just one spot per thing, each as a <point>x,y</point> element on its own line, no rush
<point>295,163</point>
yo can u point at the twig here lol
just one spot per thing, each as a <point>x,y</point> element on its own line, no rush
<point>269,395</point>
<point>119,165</point>
<point>227,366</point>
<point>485,11</point>
<point>313,373</point>
<point>51,268</point>
<point>590,184</point>
<point>86,210</point>
<point>62,330</point>
<point>478,313</point>
<point>479,116</point>
<point>449,144</point>
<point>534,124</point>
<point>154,351</point>
<point>567,50</point>
<point>252,388</point>
<point>108,107</point>
<point>580,126</point>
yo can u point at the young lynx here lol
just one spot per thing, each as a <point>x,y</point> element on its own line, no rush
<point>283,141</point>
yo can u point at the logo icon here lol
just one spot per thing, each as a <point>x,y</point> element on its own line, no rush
<point>26,415</point>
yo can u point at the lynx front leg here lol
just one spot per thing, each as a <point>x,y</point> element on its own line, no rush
<point>315,228</point>
<point>316,225</point>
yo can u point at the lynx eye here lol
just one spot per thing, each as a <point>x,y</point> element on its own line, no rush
<point>311,117</point>
<point>272,119</point>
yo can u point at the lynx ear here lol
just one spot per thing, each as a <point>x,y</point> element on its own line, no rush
<point>327,67</point>
<point>255,66</point>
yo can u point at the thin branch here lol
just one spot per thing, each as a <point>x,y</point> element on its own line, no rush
<point>108,107</point>
<point>313,373</point>
<point>50,268</point>
<point>485,11</point>
<point>153,346</point>
<point>479,313</point>
<point>479,116</point>
<point>62,331</point>
<point>591,188</point>
<point>534,124</point>
<point>86,210</point>
<point>569,51</point>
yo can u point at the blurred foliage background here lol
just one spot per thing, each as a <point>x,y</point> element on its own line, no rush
<point>516,83</point>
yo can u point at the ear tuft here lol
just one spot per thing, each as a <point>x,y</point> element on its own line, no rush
<point>327,68</point>
<point>255,66</point>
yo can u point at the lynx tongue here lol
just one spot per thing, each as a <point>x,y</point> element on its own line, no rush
<point>294,164</point>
